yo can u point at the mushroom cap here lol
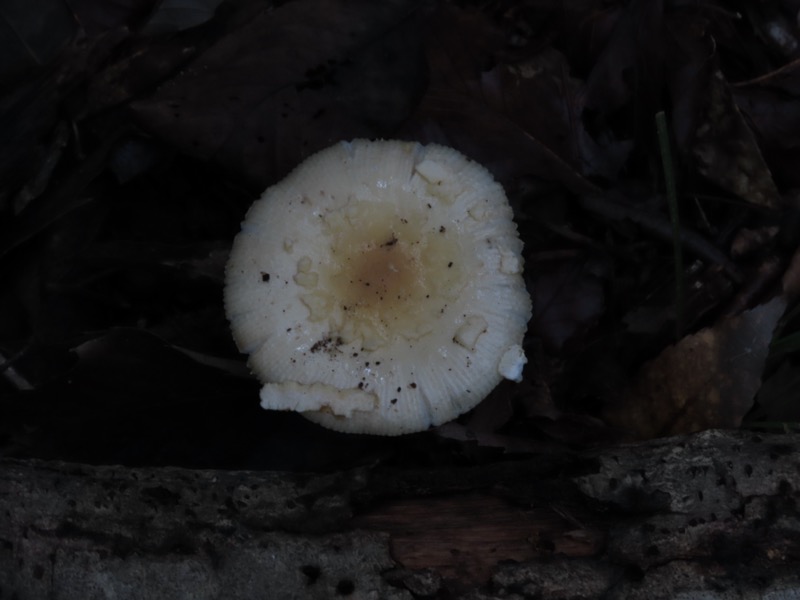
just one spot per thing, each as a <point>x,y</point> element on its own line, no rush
<point>378,288</point>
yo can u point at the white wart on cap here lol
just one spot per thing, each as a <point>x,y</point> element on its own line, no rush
<point>378,288</point>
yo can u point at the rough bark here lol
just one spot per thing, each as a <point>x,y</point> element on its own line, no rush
<point>714,515</point>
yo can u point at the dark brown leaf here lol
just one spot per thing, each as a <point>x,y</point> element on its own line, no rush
<point>771,107</point>
<point>727,152</point>
<point>629,65</point>
<point>177,15</point>
<point>292,81</point>
<point>32,38</point>
<point>97,16</point>
<point>707,380</point>
<point>567,299</point>
<point>516,118</point>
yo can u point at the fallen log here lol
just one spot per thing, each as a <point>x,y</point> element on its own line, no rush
<point>712,515</point>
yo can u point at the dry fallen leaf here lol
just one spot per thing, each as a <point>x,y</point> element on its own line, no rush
<point>569,299</point>
<point>290,82</point>
<point>515,117</point>
<point>96,16</point>
<point>706,380</point>
<point>727,151</point>
<point>770,104</point>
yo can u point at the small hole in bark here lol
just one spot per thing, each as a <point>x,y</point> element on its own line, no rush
<point>311,572</point>
<point>345,587</point>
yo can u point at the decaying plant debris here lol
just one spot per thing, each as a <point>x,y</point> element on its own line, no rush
<point>136,134</point>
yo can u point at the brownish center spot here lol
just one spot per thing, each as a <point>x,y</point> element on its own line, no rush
<point>389,273</point>
<point>379,278</point>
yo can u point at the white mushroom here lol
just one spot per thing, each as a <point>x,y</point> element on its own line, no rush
<point>378,288</point>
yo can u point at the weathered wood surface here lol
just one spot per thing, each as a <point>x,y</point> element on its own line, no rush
<point>715,516</point>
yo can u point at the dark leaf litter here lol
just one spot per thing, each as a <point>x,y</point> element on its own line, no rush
<point>136,134</point>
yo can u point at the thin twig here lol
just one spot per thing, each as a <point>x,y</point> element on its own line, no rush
<point>656,225</point>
